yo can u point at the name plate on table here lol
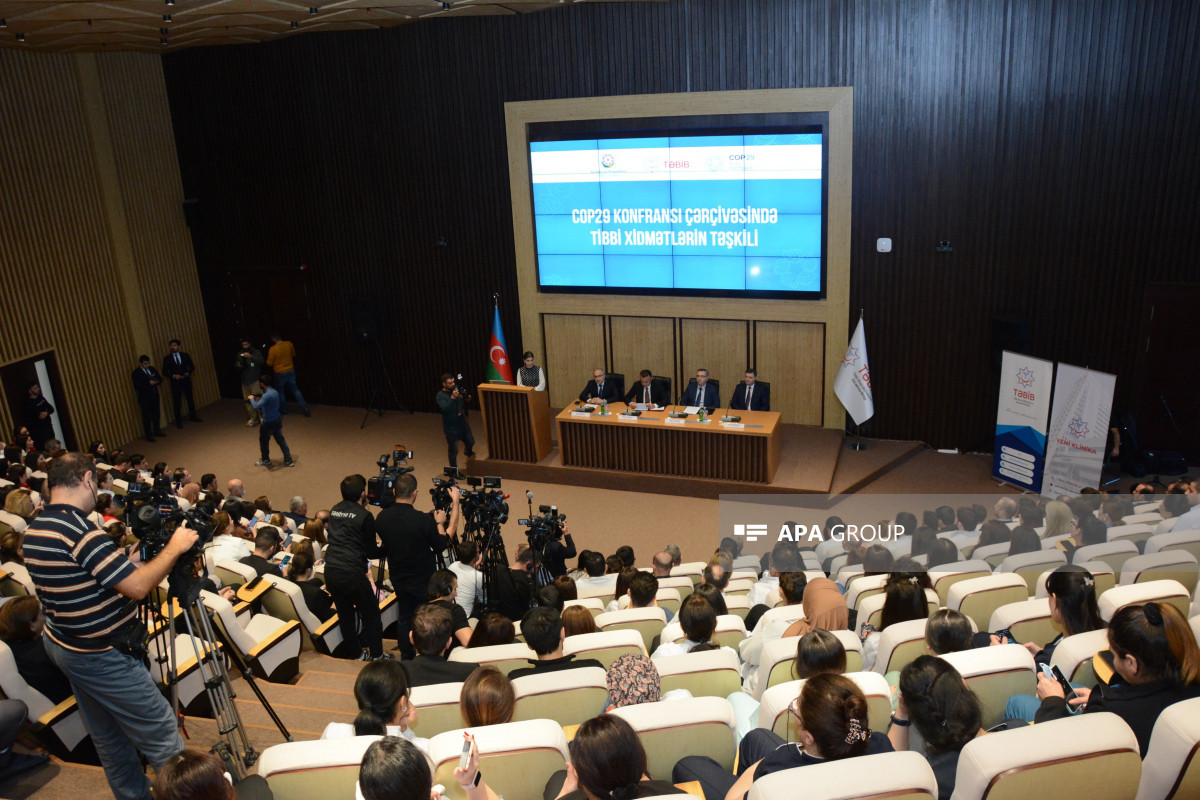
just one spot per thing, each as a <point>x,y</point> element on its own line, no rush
<point>627,418</point>
<point>583,414</point>
<point>675,421</point>
<point>733,425</point>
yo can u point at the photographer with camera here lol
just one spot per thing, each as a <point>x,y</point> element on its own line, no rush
<point>556,553</point>
<point>351,536</point>
<point>411,541</point>
<point>93,634</point>
<point>450,401</point>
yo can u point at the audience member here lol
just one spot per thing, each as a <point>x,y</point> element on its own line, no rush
<point>577,620</point>
<point>818,652</point>
<point>625,553</point>
<point>607,761</point>
<point>1024,540</point>
<point>943,552</point>
<point>300,572</point>
<point>661,565</point>
<point>904,600</point>
<point>566,587</point>
<point>597,576</point>
<point>468,559</point>
<point>792,586</point>
<point>698,620</point>
<point>622,588</point>
<point>395,769</point>
<point>195,775</point>
<point>544,633</point>
<point>1058,520</point>
<point>877,560</point>
<point>443,588</point>
<point>430,636</point>
<point>384,706</point>
<point>492,629</point>
<point>266,544</point>
<point>784,558</point>
<point>550,597</point>
<point>824,609</point>
<point>948,631</point>
<point>21,624</point>
<point>487,698</point>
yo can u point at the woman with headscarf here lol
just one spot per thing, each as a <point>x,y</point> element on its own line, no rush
<point>824,609</point>
<point>633,679</point>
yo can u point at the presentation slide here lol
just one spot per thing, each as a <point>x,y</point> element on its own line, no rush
<point>689,214</point>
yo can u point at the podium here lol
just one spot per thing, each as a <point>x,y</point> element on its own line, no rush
<point>516,422</point>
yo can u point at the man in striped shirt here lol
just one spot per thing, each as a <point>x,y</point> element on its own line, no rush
<point>89,592</point>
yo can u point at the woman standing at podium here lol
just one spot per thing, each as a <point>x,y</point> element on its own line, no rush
<point>529,375</point>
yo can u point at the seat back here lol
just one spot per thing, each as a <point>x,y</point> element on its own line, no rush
<point>285,601</point>
<point>1073,655</point>
<point>1131,531</point>
<point>1030,565</point>
<point>1188,541</point>
<point>871,609</point>
<point>593,604</point>
<point>886,776</point>
<point>648,622</point>
<point>1115,554</point>
<point>1105,576</point>
<point>863,587</point>
<point>234,572</point>
<point>995,674</point>
<point>517,758</point>
<point>993,554</point>
<point>1165,565</point>
<point>738,604</point>
<point>900,644</point>
<point>437,707</point>
<point>1171,770</point>
<point>773,710</point>
<point>604,646</point>
<point>947,575</point>
<point>503,657</point>
<point>713,673</point>
<point>692,570</point>
<point>1118,597</point>
<point>978,598</point>
<point>226,620</point>
<point>325,768</point>
<point>738,586</point>
<point>567,696</point>
<point>1094,756</point>
<point>15,687</point>
<point>601,592</point>
<point>672,729</point>
<point>1029,620</point>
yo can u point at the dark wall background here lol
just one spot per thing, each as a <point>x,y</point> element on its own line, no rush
<point>1052,143</point>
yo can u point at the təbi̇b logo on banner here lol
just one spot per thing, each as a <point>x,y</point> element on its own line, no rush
<point>1021,416</point>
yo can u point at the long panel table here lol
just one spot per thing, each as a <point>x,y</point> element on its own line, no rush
<point>653,445</point>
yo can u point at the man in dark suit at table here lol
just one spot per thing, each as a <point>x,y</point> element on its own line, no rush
<point>646,390</point>
<point>178,367</point>
<point>146,381</point>
<point>701,392</point>
<point>599,388</point>
<point>750,395</point>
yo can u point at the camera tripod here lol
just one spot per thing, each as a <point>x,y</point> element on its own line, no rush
<point>379,396</point>
<point>184,592</point>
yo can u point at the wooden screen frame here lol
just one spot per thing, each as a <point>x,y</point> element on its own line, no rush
<point>833,312</point>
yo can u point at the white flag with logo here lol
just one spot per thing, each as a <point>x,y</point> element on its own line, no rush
<point>853,383</point>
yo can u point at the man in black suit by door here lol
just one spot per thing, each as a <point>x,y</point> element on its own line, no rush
<point>599,388</point>
<point>146,381</point>
<point>751,395</point>
<point>178,366</point>
<point>647,390</point>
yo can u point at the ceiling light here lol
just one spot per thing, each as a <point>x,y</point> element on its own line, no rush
<point>295,25</point>
<point>163,31</point>
<point>312,10</point>
<point>162,41</point>
<point>3,23</point>
<point>20,37</point>
<point>166,17</point>
<point>170,2</point>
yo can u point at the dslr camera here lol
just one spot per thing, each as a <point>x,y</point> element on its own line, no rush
<point>152,514</point>
<point>440,493</point>
<point>381,488</point>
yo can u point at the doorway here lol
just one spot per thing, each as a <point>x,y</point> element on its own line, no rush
<point>41,369</point>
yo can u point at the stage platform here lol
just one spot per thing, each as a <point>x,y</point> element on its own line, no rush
<point>812,461</point>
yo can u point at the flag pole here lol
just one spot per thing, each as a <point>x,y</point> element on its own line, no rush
<point>858,444</point>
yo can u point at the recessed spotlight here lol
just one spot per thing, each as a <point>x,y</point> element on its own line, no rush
<point>166,17</point>
<point>312,10</point>
<point>3,23</point>
<point>169,2</point>
<point>20,37</point>
<point>162,41</point>
<point>295,25</point>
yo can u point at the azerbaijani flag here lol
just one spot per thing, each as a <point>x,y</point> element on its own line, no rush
<point>499,368</point>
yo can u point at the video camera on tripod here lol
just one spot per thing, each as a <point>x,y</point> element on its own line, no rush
<point>381,489</point>
<point>544,529</point>
<point>440,493</point>
<point>485,510</point>
<point>152,514</point>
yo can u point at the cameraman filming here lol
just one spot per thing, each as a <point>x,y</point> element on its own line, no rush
<point>411,541</point>
<point>450,402</point>
<point>83,581</point>
<point>350,534</point>
<point>556,553</point>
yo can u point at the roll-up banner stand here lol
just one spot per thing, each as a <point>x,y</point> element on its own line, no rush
<point>1078,430</point>
<point>1021,416</point>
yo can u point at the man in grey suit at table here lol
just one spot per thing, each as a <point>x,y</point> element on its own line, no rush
<point>701,392</point>
<point>751,395</point>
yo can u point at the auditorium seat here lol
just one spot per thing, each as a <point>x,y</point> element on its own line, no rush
<point>729,631</point>
<point>1171,770</point>
<point>863,587</point>
<point>325,768</point>
<point>773,710</point>
<point>666,597</point>
<point>1030,565</point>
<point>993,554</point>
<point>648,622</point>
<point>785,613</point>
<point>1115,554</point>
<point>750,562</point>
<point>1029,620</point>
<point>1151,518</point>
<point>234,573</point>
<point>1094,756</point>
<point>1118,597</point>
<point>285,601</point>
<point>503,657</point>
<point>568,696</point>
<point>1104,575</point>
<point>672,729</point>
<point>899,645</point>
<point>738,586</point>
<point>190,677</point>
<point>884,776</point>
<point>978,598</point>
<point>692,570</point>
<point>946,575</point>
<point>871,609</point>
<point>995,674</point>
<point>15,580</point>
<point>604,646</point>
<point>516,758</point>
<point>1188,541</point>
<point>1135,532</point>
<point>1073,655</point>
<point>1170,565</point>
<point>778,659</point>
<point>437,707</point>
<point>681,582</point>
<point>59,728</point>
<point>270,646</point>
<point>602,593</point>
<point>713,673</point>
<point>593,604</point>
<point>847,574</point>
<point>738,604</point>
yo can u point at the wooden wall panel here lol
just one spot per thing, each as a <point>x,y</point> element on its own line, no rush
<point>721,346</point>
<point>783,352</point>
<point>575,345</point>
<point>1053,144</point>
<point>640,343</point>
<point>85,154</point>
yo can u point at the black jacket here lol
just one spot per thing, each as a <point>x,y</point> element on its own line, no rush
<point>350,533</point>
<point>1138,704</point>
<point>428,670</point>
<point>410,540</point>
<point>261,566</point>
<point>658,393</point>
<point>319,603</point>
<point>556,555</point>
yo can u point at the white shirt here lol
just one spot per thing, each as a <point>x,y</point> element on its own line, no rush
<point>345,730</point>
<point>1189,521</point>
<point>600,581</point>
<point>679,648</point>
<point>228,547</point>
<point>758,592</point>
<point>469,585</point>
